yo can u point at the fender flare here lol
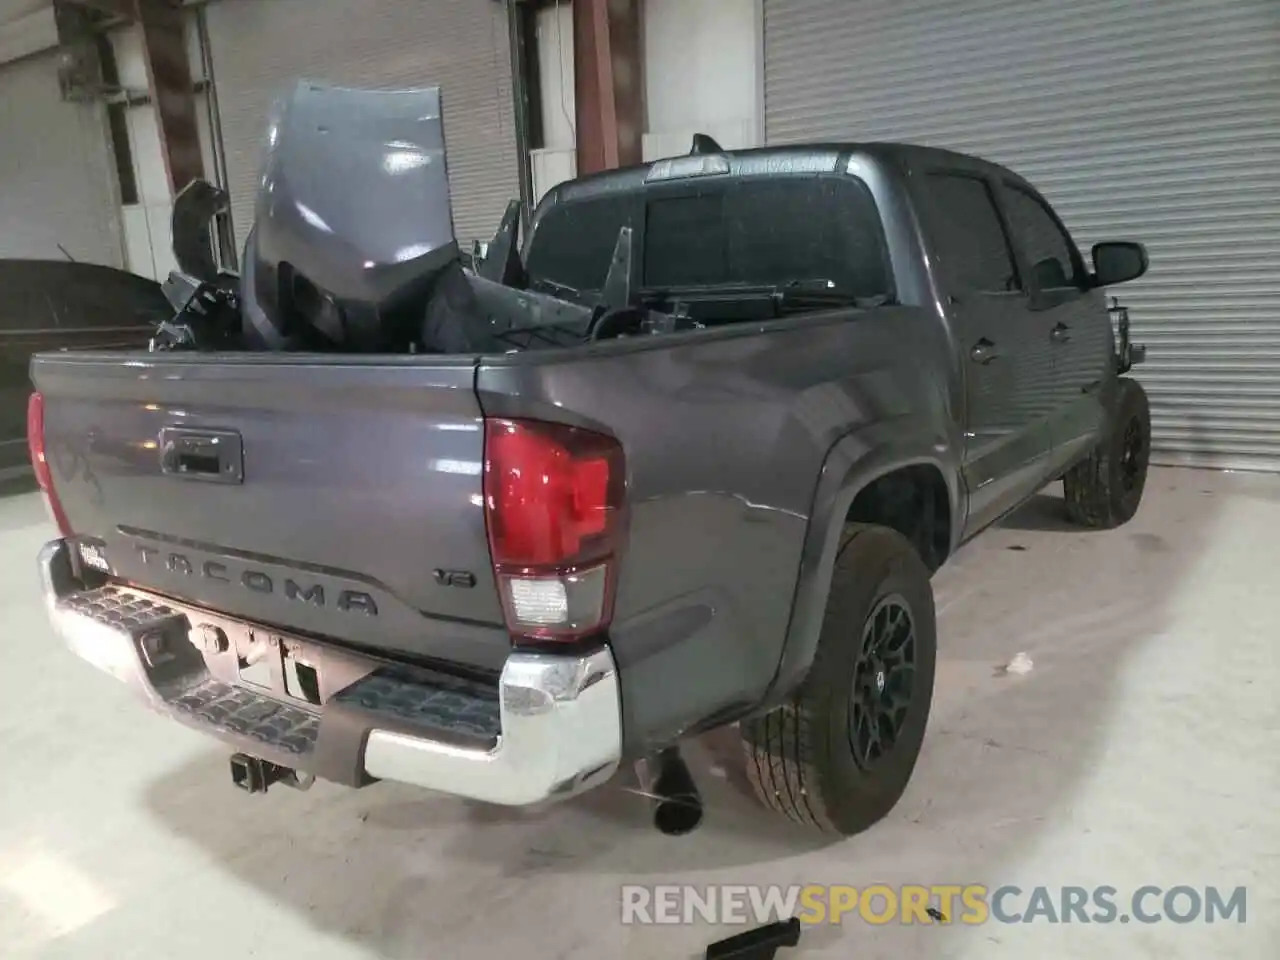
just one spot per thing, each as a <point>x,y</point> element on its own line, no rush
<point>852,463</point>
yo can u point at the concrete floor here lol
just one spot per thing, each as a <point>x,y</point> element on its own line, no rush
<point>1143,748</point>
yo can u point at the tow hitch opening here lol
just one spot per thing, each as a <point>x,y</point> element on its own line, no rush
<point>255,775</point>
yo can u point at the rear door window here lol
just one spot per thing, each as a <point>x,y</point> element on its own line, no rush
<point>1045,245</point>
<point>971,240</point>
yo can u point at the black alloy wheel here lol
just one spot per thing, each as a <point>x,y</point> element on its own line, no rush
<point>883,680</point>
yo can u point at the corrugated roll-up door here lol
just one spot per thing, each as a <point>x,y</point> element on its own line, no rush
<point>1156,120</point>
<point>57,174</point>
<point>262,47</point>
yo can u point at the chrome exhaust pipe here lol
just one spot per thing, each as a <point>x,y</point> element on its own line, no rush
<point>677,805</point>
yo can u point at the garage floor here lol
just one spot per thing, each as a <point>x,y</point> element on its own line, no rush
<point>1142,748</point>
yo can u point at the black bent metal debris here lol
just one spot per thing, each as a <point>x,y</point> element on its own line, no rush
<point>761,943</point>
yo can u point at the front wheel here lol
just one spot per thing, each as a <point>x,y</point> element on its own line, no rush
<point>1104,491</point>
<point>838,755</point>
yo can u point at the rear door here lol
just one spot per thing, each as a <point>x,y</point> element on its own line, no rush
<point>1007,365</point>
<point>1079,328</point>
<point>336,497</point>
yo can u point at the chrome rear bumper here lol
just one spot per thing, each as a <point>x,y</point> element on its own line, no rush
<point>551,728</point>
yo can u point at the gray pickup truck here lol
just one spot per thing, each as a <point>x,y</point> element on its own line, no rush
<point>758,398</point>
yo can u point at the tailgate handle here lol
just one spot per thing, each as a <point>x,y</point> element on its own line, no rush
<point>215,456</point>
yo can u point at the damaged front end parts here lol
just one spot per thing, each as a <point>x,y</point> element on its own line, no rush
<point>352,249</point>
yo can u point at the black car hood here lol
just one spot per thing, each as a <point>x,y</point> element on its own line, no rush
<point>58,295</point>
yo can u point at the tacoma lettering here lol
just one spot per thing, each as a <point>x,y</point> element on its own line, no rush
<point>348,601</point>
<point>313,594</point>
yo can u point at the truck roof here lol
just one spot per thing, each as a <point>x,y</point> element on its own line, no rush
<point>772,160</point>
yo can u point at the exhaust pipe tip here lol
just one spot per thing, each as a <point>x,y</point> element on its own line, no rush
<point>677,807</point>
<point>677,816</point>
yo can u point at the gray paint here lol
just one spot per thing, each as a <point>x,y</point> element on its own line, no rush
<point>358,477</point>
<point>392,144</point>
<point>362,249</point>
<point>745,447</point>
<point>1152,119</point>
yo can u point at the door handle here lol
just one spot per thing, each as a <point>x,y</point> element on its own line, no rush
<point>983,352</point>
<point>1060,334</point>
<point>216,456</point>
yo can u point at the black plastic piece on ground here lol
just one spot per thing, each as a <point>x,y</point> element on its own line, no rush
<point>255,775</point>
<point>759,944</point>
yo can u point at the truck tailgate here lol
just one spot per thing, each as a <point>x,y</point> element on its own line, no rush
<point>339,498</point>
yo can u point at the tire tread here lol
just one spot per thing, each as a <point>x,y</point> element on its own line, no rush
<point>1089,488</point>
<point>781,747</point>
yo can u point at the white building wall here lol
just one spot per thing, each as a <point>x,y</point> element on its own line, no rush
<point>701,74</point>
<point>556,160</point>
<point>26,27</point>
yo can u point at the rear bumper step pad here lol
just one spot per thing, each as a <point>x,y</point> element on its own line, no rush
<point>550,728</point>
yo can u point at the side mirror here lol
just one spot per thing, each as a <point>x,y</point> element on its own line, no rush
<point>1118,261</point>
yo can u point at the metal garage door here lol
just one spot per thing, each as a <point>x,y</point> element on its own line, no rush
<point>57,175</point>
<point>1152,119</point>
<point>261,48</point>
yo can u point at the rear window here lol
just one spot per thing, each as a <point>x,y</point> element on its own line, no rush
<point>752,231</point>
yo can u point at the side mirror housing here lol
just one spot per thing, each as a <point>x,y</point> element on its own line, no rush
<point>1118,261</point>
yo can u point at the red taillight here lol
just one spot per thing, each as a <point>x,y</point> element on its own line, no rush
<point>40,463</point>
<point>553,503</point>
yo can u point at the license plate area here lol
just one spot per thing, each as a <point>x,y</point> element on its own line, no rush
<point>279,665</point>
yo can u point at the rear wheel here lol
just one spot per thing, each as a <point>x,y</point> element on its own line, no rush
<point>1105,490</point>
<point>838,755</point>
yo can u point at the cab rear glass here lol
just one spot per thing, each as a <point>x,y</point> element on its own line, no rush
<point>754,231</point>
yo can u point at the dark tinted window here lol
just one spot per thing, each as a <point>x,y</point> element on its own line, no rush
<point>763,231</point>
<point>972,243</point>
<point>685,241</point>
<point>574,241</point>
<point>767,231</point>
<point>1045,247</point>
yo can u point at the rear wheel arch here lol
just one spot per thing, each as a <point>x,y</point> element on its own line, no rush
<point>852,467</point>
<point>913,500</point>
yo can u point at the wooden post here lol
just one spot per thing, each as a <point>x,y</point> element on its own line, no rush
<point>172,91</point>
<point>608,83</point>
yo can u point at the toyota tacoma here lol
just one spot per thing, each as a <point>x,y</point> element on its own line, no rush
<point>684,457</point>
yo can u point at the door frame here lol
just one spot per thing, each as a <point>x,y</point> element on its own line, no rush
<point>1027,477</point>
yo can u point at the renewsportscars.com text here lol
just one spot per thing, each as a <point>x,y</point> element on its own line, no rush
<point>936,903</point>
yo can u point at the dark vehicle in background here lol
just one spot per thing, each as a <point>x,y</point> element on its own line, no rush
<point>688,462</point>
<point>50,305</point>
